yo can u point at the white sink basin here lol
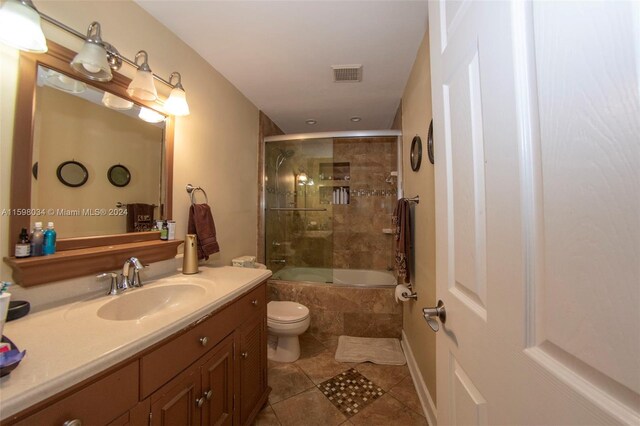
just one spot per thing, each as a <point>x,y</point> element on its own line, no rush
<point>141,303</point>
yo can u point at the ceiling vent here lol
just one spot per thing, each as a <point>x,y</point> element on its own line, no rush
<point>347,73</point>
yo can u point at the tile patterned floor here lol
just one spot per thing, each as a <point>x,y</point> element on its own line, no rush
<point>350,391</point>
<point>298,391</point>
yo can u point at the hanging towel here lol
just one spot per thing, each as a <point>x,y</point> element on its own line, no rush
<point>139,217</point>
<point>201,223</point>
<point>402,221</point>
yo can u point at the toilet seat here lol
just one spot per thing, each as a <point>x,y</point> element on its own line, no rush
<point>286,312</point>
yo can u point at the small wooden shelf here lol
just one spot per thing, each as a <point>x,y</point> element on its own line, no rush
<point>75,263</point>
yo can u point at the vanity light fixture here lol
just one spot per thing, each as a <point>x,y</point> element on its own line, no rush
<point>150,116</point>
<point>177,102</point>
<point>115,102</point>
<point>92,61</point>
<point>142,86</point>
<point>302,178</point>
<point>20,26</point>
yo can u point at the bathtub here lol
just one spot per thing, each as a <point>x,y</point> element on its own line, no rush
<point>346,277</point>
<point>352,302</point>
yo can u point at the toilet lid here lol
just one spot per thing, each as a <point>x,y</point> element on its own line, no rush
<point>286,311</point>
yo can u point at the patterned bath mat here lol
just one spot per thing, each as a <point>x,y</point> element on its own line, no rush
<point>377,350</point>
<point>350,392</point>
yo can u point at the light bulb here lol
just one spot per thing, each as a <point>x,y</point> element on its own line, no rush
<point>91,68</point>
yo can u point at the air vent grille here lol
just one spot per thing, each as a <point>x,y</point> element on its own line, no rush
<point>347,73</point>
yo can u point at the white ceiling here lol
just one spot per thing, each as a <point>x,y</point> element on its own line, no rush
<point>279,54</point>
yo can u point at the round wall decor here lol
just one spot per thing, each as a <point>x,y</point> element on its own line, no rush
<point>72,173</point>
<point>416,153</point>
<point>119,175</point>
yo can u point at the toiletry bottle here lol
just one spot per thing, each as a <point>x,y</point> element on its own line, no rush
<point>37,240</point>
<point>49,244</point>
<point>23,246</point>
<point>164,232</point>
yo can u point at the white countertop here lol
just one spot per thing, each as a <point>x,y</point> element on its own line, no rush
<point>70,343</point>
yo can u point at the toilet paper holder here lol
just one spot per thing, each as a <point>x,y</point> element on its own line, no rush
<point>412,295</point>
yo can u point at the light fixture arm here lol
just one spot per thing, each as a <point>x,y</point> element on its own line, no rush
<point>93,34</point>
<point>177,75</point>
<point>144,66</point>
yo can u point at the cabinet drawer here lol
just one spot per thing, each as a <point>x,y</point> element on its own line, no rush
<point>96,404</point>
<point>165,362</point>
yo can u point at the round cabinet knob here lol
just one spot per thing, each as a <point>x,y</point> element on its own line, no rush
<point>244,355</point>
<point>199,402</point>
<point>74,422</point>
<point>208,395</point>
<point>204,341</point>
<point>254,302</point>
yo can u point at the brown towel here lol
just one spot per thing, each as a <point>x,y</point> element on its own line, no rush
<point>201,224</point>
<point>139,217</point>
<point>402,220</point>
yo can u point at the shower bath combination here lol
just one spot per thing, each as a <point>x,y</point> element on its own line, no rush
<point>304,226</point>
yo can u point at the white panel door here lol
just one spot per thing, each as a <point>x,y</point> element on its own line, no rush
<point>537,141</point>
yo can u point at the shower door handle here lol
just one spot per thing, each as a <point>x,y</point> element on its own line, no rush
<point>439,311</point>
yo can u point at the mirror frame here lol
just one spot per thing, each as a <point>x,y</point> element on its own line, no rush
<point>58,58</point>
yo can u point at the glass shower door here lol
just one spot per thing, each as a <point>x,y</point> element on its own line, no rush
<point>299,209</point>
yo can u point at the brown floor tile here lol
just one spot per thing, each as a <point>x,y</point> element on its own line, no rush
<point>347,423</point>
<point>266,417</point>
<point>387,411</point>
<point>309,345</point>
<point>321,367</point>
<point>286,380</point>
<point>329,341</point>
<point>309,408</point>
<point>405,391</point>
<point>385,376</point>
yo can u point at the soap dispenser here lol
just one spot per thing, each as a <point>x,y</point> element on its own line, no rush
<point>190,259</point>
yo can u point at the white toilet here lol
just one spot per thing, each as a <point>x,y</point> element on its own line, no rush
<point>285,322</point>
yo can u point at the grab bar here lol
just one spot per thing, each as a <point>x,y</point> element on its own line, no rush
<point>296,209</point>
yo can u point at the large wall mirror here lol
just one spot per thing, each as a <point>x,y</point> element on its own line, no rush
<point>62,117</point>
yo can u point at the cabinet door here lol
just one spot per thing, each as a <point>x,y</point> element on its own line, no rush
<point>178,402</point>
<point>253,365</point>
<point>217,384</point>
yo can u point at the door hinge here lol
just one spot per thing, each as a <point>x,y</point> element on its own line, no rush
<point>150,417</point>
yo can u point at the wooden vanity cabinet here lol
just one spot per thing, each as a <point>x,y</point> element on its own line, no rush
<point>183,380</point>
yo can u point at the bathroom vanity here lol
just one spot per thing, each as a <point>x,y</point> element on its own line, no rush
<point>199,358</point>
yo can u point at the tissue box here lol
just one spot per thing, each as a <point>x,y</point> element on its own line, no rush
<point>244,261</point>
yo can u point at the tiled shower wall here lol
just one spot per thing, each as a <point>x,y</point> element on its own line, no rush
<point>358,240</point>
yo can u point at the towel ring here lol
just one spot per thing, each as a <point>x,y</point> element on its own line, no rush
<point>191,190</point>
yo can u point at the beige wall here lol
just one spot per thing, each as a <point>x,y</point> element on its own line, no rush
<point>215,147</point>
<point>416,115</point>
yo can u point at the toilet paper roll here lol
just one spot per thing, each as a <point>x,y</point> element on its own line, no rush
<point>402,289</point>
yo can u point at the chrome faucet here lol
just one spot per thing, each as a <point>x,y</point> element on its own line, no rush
<point>127,281</point>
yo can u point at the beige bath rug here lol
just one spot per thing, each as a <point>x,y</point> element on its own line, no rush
<point>377,350</point>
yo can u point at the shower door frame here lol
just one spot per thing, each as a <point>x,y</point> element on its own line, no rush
<point>262,246</point>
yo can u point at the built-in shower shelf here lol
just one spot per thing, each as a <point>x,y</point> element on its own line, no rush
<point>334,171</point>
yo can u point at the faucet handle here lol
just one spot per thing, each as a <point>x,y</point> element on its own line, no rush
<point>114,282</point>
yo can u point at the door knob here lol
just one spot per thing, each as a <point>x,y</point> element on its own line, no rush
<point>200,402</point>
<point>204,341</point>
<point>208,394</point>
<point>244,355</point>
<point>439,312</point>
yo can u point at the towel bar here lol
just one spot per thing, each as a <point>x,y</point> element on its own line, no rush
<point>191,190</point>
